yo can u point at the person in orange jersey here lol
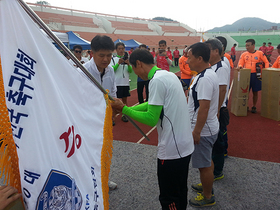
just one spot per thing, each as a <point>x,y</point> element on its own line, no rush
<point>186,73</point>
<point>250,60</point>
<point>277,62</point>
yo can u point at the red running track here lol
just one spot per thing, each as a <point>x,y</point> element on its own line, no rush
<point>252,137</point>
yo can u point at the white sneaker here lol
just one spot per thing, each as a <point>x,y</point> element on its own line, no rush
<point>112,185</point>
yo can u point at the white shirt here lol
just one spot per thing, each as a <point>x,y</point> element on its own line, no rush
<point>223,72</point>
<point>121,74</point>
<point>108,79</point>
<point>174,130</point>
<point>205,86</point>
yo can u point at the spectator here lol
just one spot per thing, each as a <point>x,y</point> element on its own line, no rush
<point>122,69</point>
<point>263,48</point>
<point>203,107</point>
<point>269,51</point>
<point>77,50</point>
<point>186,73</point>
<point>176,55</point>
<point>166,109</point>
<point>161,59</point>
<point>277,62</point>
<point>130,51</point>
<point>153,52</point>
<point>233,53</point>
<point>250,60</point>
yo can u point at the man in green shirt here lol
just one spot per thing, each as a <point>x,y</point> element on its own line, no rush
<point>167,108</point>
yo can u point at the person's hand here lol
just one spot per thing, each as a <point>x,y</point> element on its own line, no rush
<point>117,105</point>
<point>196,137</point>
<point>238,68</point>
<point>8,194</point>
<point>121,61</point>
<point>127,61</point>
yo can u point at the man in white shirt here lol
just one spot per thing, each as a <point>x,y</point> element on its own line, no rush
<point>102,49</point>
<point>223,72</point>
<point>203,107</point>
<point>166,109</point>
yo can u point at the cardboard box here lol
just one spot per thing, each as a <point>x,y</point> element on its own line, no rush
<point>270,104</point>
<point>240,92</point>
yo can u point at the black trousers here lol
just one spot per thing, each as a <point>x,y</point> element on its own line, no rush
<point>172,180</point>
<point>176,61</point>
<point>140,88</point>
<point>219,146</point>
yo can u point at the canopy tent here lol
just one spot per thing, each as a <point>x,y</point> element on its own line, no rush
<point>70,40</point>
<point>129,43</point>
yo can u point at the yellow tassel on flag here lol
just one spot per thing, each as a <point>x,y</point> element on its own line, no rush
<point>8,153</point>
<point>106,152</point>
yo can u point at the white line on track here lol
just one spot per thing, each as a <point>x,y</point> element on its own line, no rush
<point>150,131</point>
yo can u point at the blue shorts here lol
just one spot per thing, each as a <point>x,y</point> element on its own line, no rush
<point>255,83</point>
<point>202,155</point>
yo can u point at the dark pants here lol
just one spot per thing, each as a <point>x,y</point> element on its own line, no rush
<point>172,180</point>
<point>176,61</point>
<point>219,146</point>
<point>140,88</point>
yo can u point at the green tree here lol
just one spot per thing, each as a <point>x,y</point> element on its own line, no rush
<point>43,3</point>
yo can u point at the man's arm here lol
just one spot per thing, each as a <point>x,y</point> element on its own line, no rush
<point>149,117</point>
<point>202,114</point>
<point>266,62</point>
<point>222,94</point>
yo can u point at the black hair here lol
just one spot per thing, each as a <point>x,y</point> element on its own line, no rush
<point>102,43</point>
<point>278,47</point>
<point>162,42</point>
<point>223,40</point>
<point>251,40</point>
<point>264,43</point>
<point>269,43</point>
<point>200,49</point>
<point>234,44</point>
<point>119,43</point>
<point>77,47</point>
<point>215,44</point>
<point>141,55</point>
<point>142,46</point>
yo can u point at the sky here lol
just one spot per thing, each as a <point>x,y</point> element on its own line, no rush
<point>200,15</point>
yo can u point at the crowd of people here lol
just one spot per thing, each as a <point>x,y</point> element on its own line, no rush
<point>192,128</point>
<point>190,112</point>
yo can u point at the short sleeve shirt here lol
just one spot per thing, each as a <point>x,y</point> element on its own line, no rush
<point>205,87</point>
<point>174,129</point>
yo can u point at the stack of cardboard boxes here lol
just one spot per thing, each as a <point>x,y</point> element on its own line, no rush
<point>270,104</point>
<point>240,92</point>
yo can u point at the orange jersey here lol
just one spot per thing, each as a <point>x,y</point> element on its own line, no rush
<point>277,63</point>
<point>229,59</point>
<point>184,68</point>
<point>249,60</point>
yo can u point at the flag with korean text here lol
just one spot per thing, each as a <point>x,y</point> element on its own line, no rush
<point>61,122</point>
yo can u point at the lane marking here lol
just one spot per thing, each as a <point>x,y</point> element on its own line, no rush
<point>150,131</point>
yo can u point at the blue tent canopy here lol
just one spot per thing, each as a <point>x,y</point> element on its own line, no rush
<point>74,40</point>
<point>129,43</point>
<point>70,39</point>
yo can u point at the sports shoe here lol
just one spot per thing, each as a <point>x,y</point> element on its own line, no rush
<point>201,201</point>
<point>254,109</point>
<point>112,185</point>
<point>124,119</point>
<point>219,176</point>
<point>198,188</point>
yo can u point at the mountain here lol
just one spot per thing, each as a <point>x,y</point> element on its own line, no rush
<point>247,24</point>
